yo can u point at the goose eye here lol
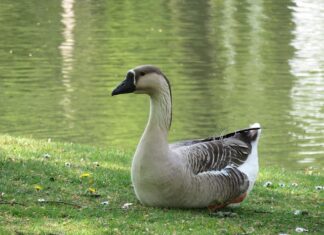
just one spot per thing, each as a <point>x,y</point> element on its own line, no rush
<point>142,73</point>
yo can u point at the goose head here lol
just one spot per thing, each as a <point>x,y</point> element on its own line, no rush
<point>145,79</point>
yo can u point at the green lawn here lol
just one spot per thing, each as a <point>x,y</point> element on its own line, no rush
<point>45,189</point>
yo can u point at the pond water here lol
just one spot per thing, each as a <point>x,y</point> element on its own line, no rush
<point>230,63</point>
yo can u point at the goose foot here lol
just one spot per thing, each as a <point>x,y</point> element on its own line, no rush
<point>239,198</point>
<point>213,208</point>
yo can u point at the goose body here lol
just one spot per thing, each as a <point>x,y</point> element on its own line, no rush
<point>212,172</point>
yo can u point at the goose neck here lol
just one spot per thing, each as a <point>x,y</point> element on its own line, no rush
<point>160,111</point>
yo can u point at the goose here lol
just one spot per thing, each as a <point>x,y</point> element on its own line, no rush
<point>203,173</point>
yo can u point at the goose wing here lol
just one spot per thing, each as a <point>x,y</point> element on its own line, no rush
<point>215,155</point>
<point>214,163</point>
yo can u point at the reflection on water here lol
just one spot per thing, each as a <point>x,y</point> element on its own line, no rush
<point>307,66</point>
<point>230,63</point>
<point>256,17</point>
<point>66,49</point>
<point>228,26</point>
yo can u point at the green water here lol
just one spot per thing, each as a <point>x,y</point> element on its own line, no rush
<point>230,63</point>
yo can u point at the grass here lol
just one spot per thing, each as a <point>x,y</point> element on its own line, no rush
<point>31,170</point>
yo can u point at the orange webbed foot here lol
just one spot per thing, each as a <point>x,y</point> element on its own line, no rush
<point>239,198</point>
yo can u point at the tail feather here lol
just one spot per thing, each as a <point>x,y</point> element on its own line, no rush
<point>255,131</point>
<point>249,135</point>
<point>251,166</point>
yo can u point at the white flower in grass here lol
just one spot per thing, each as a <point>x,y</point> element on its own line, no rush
<point>294,184</point>
<point>301,230</point>
<point>105,203</point>
<point>319,187</point>
<point>297,212</point>
<point>300,212</point>
<point>96,164</point>
<point>41,200</point>
<point>127,205</point>
<point>46,155</point>
<point>67,164</point>
<point>282,185</point>
<point>267,184</point>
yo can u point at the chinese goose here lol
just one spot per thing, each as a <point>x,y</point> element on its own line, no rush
<point>212,172</point>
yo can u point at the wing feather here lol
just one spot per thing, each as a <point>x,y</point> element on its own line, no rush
<point>215,155</point>
<point>214,162</point>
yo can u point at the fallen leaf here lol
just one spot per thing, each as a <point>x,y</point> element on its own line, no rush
<point>85,175</point>
<point>301,230</point>
<point>38,187</point>
<point>127,205</point>
<point>92,190</point>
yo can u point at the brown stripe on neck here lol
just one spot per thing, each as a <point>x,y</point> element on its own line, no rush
<point>169,85</point>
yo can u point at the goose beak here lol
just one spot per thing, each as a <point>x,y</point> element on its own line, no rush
<point>127,86</point>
